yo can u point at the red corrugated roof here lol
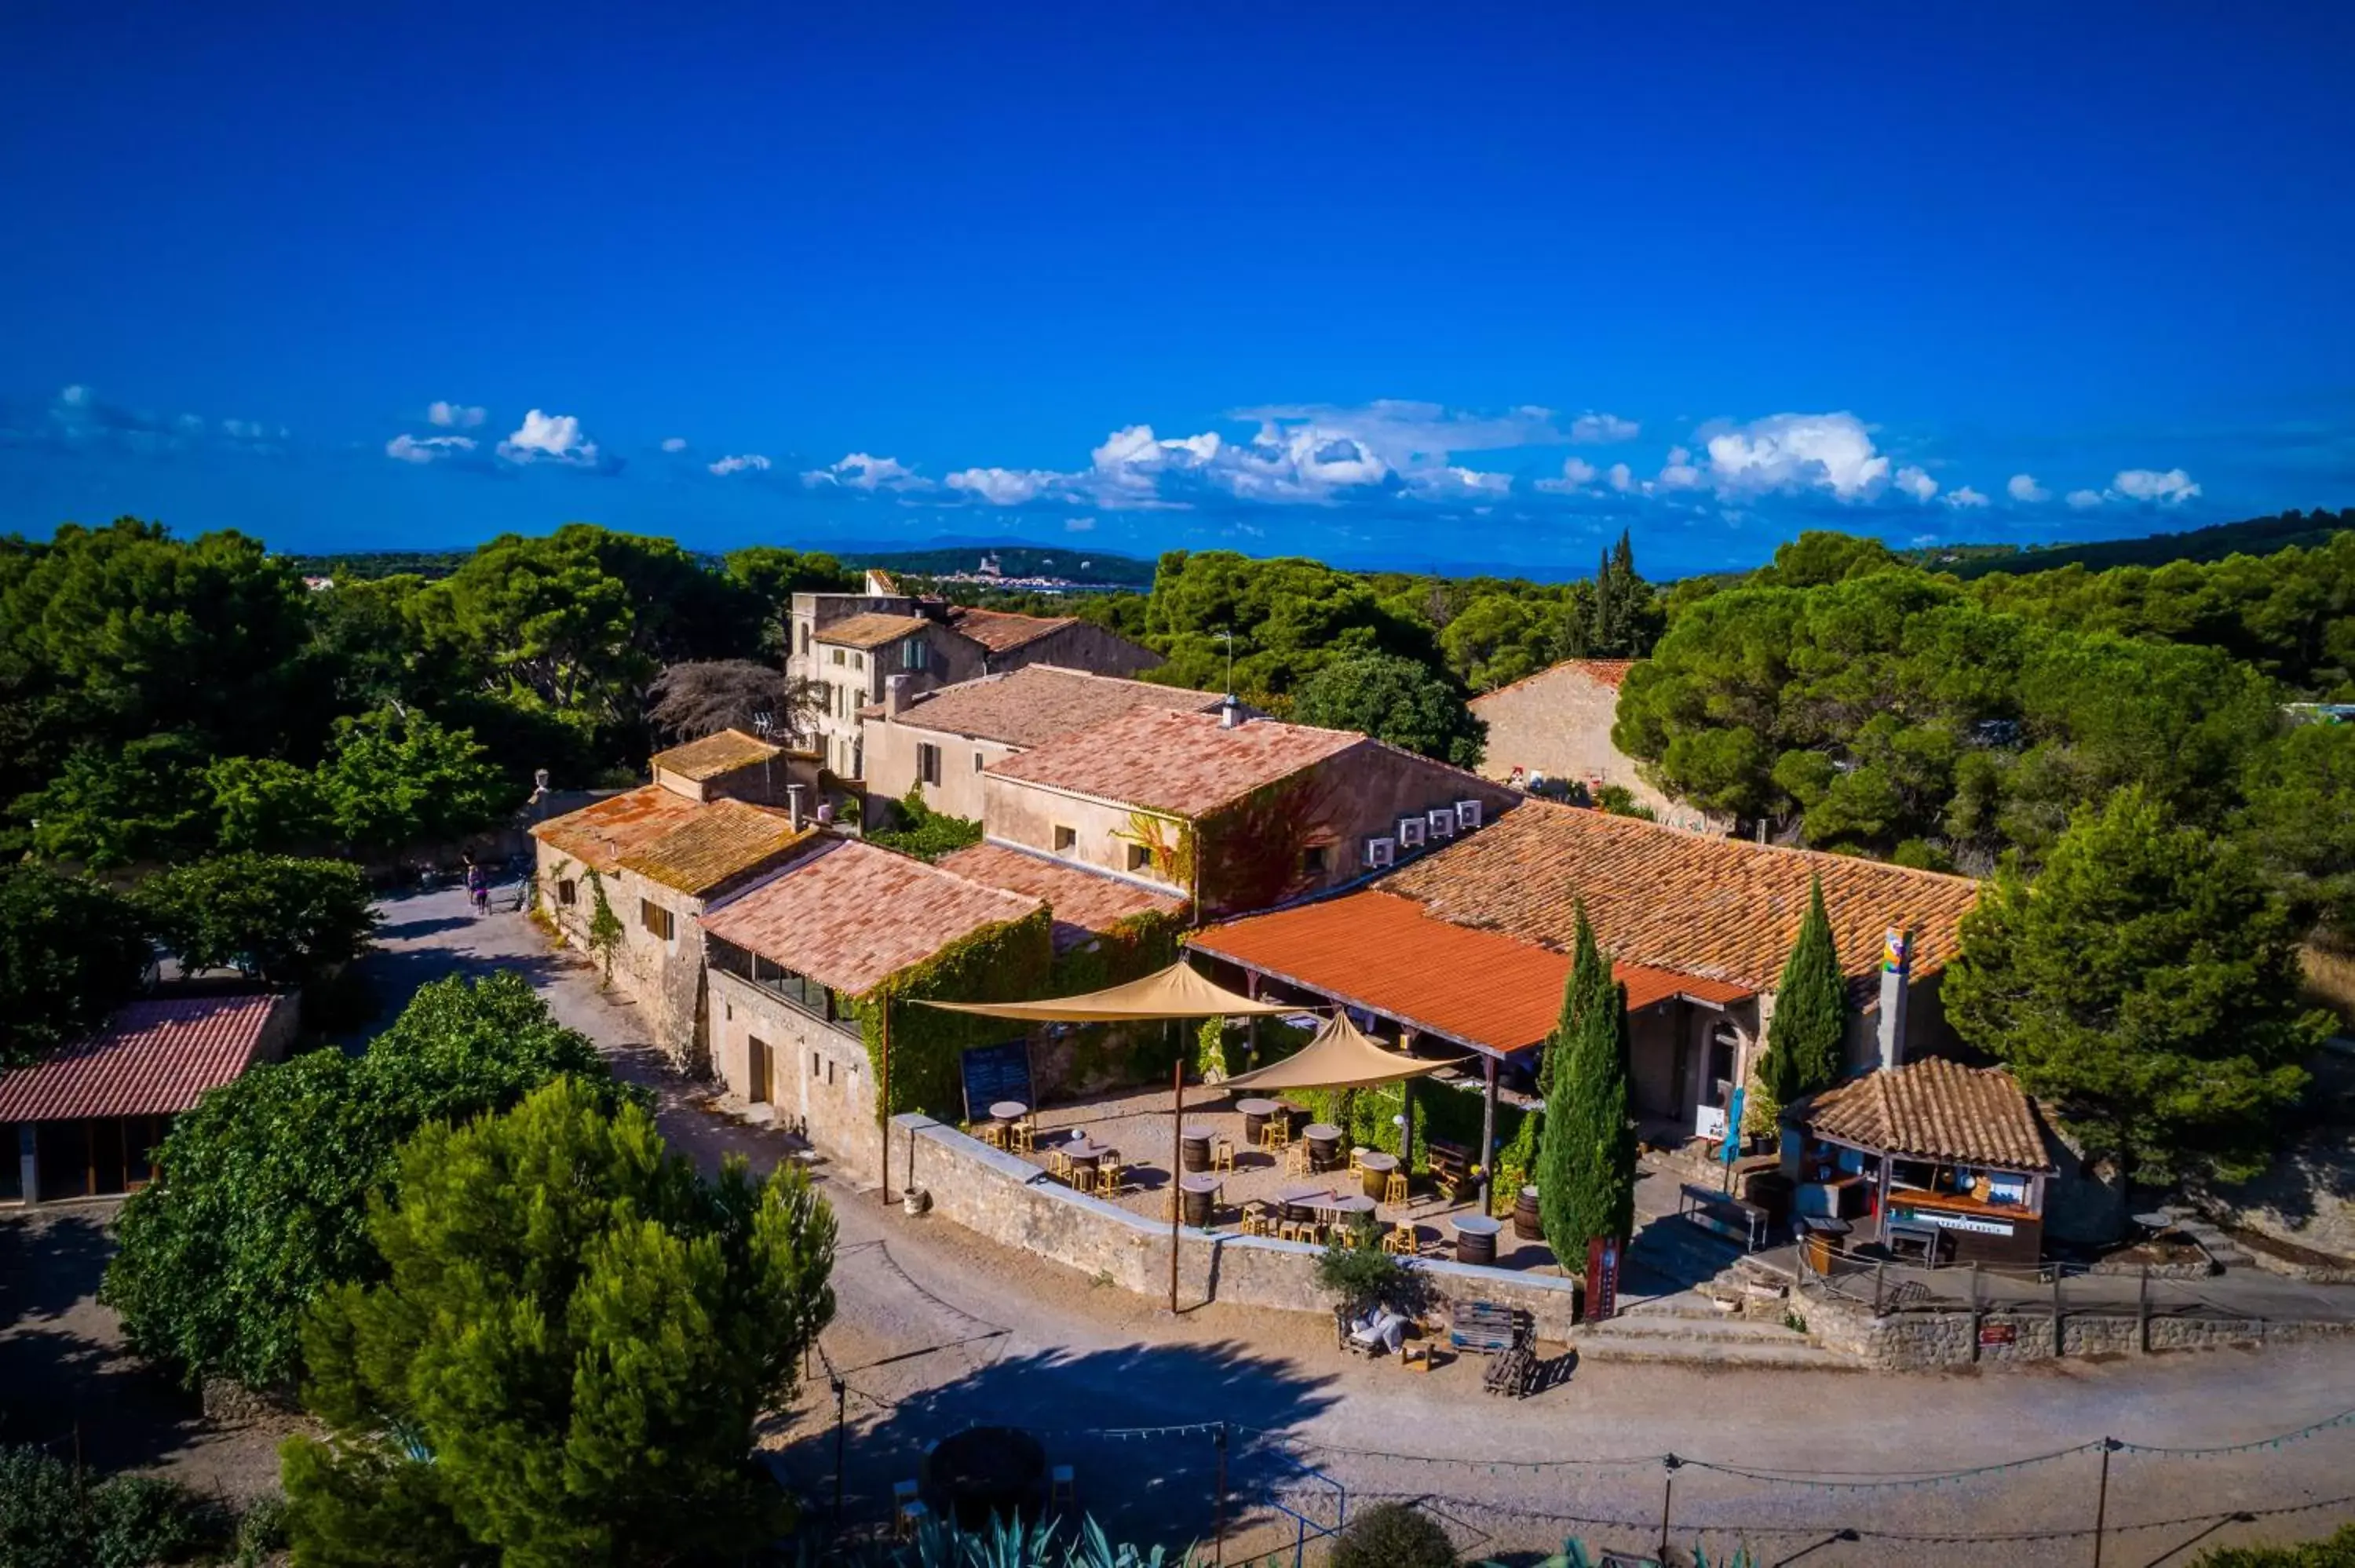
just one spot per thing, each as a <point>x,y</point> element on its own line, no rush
<point>1388,954</point>
<point>154,1058</point>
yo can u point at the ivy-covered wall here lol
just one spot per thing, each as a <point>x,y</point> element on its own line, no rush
<point>1011,961</point>
<point>1441,1110</point>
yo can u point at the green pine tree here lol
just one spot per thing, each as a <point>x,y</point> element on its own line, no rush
<point>1805,1038</point>
<point>1586,1166</point>
<point>574,1337</point>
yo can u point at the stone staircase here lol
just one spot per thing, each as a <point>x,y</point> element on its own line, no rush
<point>2223,1248</point>
<point>1693,1299</point>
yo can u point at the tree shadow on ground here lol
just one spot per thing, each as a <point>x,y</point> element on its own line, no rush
<point>1135,1424</point>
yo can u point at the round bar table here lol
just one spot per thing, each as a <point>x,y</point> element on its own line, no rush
<point>1193,1146</point>
<point>1475,1238</point>
<point>1009,1110</point>
<point>1198,1192</point>
<point>1255,1115</point>
<point>1378,1166</point>
<point>1324,1142</point>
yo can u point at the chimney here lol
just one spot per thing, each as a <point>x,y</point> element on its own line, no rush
<point>1231,713</point>
<point>794,806</point>
<point>895,694</point>
<point>1896,968</point>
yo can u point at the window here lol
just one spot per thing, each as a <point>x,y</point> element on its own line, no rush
<point>838,656</point>
<point>1140,857</point>
<point>1066,838</point>
<point>859,660</point>
<point>1316,860</point>
<point>805,635</point>
<point>915,654</point>
<point>654,918</point>
<point>568,891</point>
<point>977,761</point>
<point>928,763</point>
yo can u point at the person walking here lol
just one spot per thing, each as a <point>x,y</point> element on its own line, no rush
<point>478,887</point>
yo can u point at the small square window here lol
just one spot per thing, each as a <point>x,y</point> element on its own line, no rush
<point>1316,860</point>
<point>568,891</point>
<point>859,660</point>
<point>838,656</point>
<point>654,918</point>
<point>1140,857</point>
<point>928,763</point>
<point>977,761</point>
<point>1066,838</point>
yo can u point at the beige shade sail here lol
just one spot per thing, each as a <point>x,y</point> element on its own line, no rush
<point>1174,993</point>
<point>1339,1057</point>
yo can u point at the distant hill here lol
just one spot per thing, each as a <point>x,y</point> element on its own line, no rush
<point>1093,567</point>
<point>2257,537</point>
<point>362,565</point>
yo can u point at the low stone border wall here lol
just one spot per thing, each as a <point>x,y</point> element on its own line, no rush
<point>1918,1341</point>
<point>1011,1201</point>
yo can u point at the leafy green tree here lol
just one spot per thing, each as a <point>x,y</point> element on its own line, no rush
<point>397,779</point>
<point>772,575</point>
<point>1805,1038</point>
<point>2299,821</point>
<point>262,803</point>
<point>1392,1535</point>
<point>1586,1161</point>
<point>273,917</point>
<point>1820,555</point>
<point>270,1174</point>
<point>565,1360</point>
<point>1396,700</point>
<point>1496,640</point>
<point>927,834</point>
<point>1289,619</point>
<point>71,951</point>
<point>2147,985</point>
<point>1617,618</point>
<point>113,806</point>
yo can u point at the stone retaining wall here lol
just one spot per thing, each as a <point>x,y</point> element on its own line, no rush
<point>1011,1201</point>
<point>1916,1341</point>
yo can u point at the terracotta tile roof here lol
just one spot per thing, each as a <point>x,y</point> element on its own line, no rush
<point>870,630</point>
<point>1933,1109</point>
<point>724,841</point>
<point>1392,956</point>
<point>715,754</point>
<point>1185,763</point>
<point>153,1058</point>
<point>851,915</point>
<point>1603,672</point>
<point>1001,631</point>
<point>1725,908</point>
<point>1084,902</point>
<point>1034,704</point>
<point>599,835</point>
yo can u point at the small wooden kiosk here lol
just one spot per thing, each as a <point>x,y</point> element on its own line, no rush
<point>1934,1160</point>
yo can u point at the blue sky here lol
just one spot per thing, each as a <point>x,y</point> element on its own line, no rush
<point>1413,285</point>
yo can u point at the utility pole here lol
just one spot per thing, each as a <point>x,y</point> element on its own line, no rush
<point>885,1175</point>
<point>841,1400</point>
<point>2102,1501</point>
<point>1176,1166</point>
<point>1667,1496</point>
<point>1219,1444</point>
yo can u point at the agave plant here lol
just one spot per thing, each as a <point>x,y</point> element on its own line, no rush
<point>1573,1555</point>
<point>1011,1544</point>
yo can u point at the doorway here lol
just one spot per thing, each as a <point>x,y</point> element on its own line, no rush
<point>759,1068</point>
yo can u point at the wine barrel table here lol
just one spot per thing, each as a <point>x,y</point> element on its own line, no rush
<point>1528,1223</point>
<point>1194,1147</point>
<point>1199,1193</point>
<point>1255,1115</point>
<point>1324,1142</point>
<point>1475,1238</point>
<point>1378,1166</point>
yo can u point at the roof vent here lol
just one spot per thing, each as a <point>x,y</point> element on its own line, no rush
<point>1381,852</point>
<point>1230,711</point>
<point>1411,833</point>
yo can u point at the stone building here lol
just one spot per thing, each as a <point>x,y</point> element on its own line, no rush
<point>658,855</point>
<point>1227,810</point>
<point>789,956</point>
<point>943,739</point>
<point>850,644</point>
<point>1557,723</point>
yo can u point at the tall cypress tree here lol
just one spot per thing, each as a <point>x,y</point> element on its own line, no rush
<point>1804,1039</point>
<point>1586,1166</point>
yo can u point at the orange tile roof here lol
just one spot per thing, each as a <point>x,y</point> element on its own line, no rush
<point>723,752</point>
<point>1034,704</point>
<point>724,841</point>
<point>1185,763</point>
<point>1603,672</point>
<point>851,914</point>
<point>1935,1110</point>
<point>154,1057</point>
<point>598,835</point>
<point>1084,902</point>
<point>1001,631</point>
<point>1725,908</point>
<point>1392,956</point>
<point>871,630</point>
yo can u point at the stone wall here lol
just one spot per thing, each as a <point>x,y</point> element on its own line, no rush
<point>1918,1341</point>
<point>664,977</point>
<point>1011,1201</point>
<point>819,1081</point>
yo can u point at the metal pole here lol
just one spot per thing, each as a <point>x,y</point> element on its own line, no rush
<point>886,1174</point>
<point>1219,1444</point>
<point>1487,1130</point>
<point>841,1399</point>
<point>2056,1312</point>
<point>1667,1496</point>
<point>2142,1314</point>
<point>2102,1501</point>
<point>1176,1164</point>
<point>1977,1315</point>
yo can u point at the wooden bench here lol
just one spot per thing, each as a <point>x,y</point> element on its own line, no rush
<point>1488,1328</point>
<point>1451,1166</point>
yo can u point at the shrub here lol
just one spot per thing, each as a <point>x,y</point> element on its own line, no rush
<point>2336,1551</point>
<point>1360,1274</point>
<point>1392,1535</point>
<point>52,1517</point>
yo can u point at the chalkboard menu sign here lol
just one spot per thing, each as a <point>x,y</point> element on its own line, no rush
<point>994,1072</point>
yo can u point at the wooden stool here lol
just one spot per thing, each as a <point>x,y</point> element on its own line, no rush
<point>1026,1137</point>
<point>1223,1155</point>
<point>1394,1188</point>
<point>1400,1239</point>
<point>1295,1160</point>
<point>1059,1164</point>
<point>1357,1163</point>
<point>1111,1177</point>
<point>1415,1357</point>
<point>993,1133</point>
<point>1255,1219</point>
<point>1275,1135</point>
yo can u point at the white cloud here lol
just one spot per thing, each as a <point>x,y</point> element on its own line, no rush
<point>2170,489</point>
<point>410,449</point>
<point>1798,451</point>
<point>1964,496</point>
<point>2084,500</point>
<point>1917,484</point>
<point>1576,474</point>
<point>674,443</point>
<point>1622,478</point>
<point>1460,483</point>
<point>1596,429</point>
<point>862,470</point>
<point>1679,473</point>
<point>749,461</point>
<point>453,416</point>
<point>1002,486</point>
<point>1081,525</point>
<point>557,437</point>
<point>2023,487</point>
